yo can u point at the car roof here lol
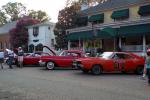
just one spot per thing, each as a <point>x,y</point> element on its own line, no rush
<point>130,53</point>
<point>119,52</point>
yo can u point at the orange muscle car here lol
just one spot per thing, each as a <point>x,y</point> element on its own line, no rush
<point>111,62</point>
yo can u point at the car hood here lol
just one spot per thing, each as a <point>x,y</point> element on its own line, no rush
<point>52,51</point>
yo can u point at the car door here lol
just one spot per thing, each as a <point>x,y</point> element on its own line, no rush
<point>130,64</point>
<point>31,60</point>
<point>124,62</point>
<point>119,62</point>
<point>66,59</point>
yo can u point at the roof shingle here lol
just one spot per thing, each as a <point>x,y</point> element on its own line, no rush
<point>112,4</point>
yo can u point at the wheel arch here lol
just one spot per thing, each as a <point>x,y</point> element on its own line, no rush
<point>51,61</point>
<point>98,65</point>
<point>138,68</point>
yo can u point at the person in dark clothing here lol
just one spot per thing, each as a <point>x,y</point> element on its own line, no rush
<point>10,58</point>
<point>147,63</point>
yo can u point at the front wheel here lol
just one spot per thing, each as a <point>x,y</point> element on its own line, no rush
<point>50,65</point>
<point>96,70</point>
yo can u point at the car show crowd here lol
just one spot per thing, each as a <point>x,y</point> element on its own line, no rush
<point>77,58</point>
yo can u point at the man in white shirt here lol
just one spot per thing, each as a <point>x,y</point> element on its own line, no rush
<point>1,58</point>
<point>11,58</point>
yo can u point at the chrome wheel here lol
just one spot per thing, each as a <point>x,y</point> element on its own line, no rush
<point>96,70</point>
<point>50,65</point>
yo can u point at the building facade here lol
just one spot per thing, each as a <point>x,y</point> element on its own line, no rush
<point>41,35</point>
<point>4,34</point>
<point>113,24</point>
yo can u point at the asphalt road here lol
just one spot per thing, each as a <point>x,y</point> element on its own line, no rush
<point>36,83</point>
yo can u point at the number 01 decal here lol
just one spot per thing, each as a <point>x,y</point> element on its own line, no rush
<point>119,66</point>
<point>116,66</point>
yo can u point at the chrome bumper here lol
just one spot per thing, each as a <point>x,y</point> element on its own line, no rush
<point>42,63</point>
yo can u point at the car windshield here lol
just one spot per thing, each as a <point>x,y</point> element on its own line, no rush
<point>106,55</point>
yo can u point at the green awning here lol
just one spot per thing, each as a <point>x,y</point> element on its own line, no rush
<point>99,17</point>
<point>134,30</point>
<point>120,14</point>
<point>144,10</point>
<point>82,20</point>
<point>107,32</point>
<point>83,35</point>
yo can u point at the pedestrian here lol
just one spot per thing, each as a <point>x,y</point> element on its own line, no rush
<point>147,63</point>
<point>20,56</point>
<point>1,58</point>
<point>145,69</point>
<point>10,58</point>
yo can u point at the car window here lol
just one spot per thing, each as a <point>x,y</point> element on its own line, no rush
<point>63,53</point>
<point>106,55</point>
<point>45,54</point>
<point>122,56</point>
<point>37,55</point>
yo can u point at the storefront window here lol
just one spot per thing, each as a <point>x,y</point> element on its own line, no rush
<point>132,40</point>
<point>132,43</point>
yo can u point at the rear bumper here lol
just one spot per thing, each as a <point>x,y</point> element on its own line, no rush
<point>77,65</point>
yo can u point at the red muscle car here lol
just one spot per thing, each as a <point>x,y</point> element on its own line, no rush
<point>33,58</point>
<point>111,62</point>
<point>64,59</point>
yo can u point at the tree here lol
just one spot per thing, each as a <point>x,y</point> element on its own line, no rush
<point>19,35</point>
<point>14,11</point>
<point>39,15</point>
<point>66,19</point>
<point>3,18</point>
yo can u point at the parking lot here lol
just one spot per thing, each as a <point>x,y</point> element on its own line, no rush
<point>36,83</point>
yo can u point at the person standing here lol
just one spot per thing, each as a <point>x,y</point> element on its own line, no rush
<point>20,56</point>
<point>145,69</point>
<point>10,58</point>
<point>1,58</point>
<point>147,64</point>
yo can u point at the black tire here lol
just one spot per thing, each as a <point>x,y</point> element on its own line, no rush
<point>85,71</point>
<point>96,70</point>
<point>50,65</point>
<point>139,70</point>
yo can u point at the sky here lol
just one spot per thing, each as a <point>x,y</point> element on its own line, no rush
<point>51,7</point>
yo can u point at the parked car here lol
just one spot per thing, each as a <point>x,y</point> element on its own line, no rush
<point>111,62</point>
<point>64,59</point>
<point>33,58</point>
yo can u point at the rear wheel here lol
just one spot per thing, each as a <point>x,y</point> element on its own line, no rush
<point>96,70</point>
<point>50,65</point>
<point>139,70</point>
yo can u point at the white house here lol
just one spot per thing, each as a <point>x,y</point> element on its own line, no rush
<point>41,35</point>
